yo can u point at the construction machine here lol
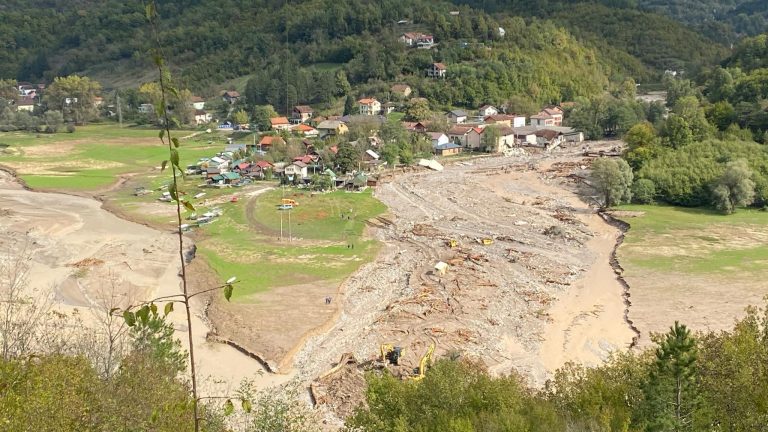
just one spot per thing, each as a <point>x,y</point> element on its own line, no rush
<point>426,360</point>
<point>391,354</point>
<point>452,243</point>
<point>288,201</point>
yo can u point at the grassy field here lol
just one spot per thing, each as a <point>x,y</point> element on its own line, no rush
<point>94,156</point>
<point>249,247</point>
<point>695,241</point>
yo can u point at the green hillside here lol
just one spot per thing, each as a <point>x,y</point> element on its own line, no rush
<point>214,42</point>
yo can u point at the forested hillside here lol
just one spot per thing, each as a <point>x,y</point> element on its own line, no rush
<point>212,42</point>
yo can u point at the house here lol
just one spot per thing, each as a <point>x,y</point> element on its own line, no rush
<point>369,106</point>
<point>146,108</point>
<point>448,149</point>
<point>388,108</point>
<point>418,40</point>
<point>332,128</point>
<point>458,135</point>
<point>306,130</point>
<point>438,139</point>
<point>234,148</point>
<point>25,103</point>
<point>401,90</point>
<point>280,123</point>
<point>549,139</point>
<point>525,135</point>
<point>487,110</point>
<point>457,116</point>
<point>230,96</point>
<point>414,126</point>
<point>370,156</point>
<point>297,168</point>
<point>569,134</point>
<point>551,116</point>
<point>225,178</point>
<point>267,141</point>
<point>506,139</point>
<point>98,101</point>
<point>302,113</point>
<point>202,117</point>
<point>437,70</point>
<point>198,103</point>
<point>474,139</point>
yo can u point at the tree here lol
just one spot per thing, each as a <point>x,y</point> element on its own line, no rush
<point>261,116</point>
<point>349,105</point>
<point>389,153</point>
<point>347,158</point>
<point>722,114</point>
<point>53,120</point>
<point>490,139</point>
<point>74,95</point>
<point>642,144</point>
<point>612,178</point>
<point>240,117</point>
<point>643,191</point>
<point>735,188</point>
<point>417,109</point>
<point>671,393</point>
<point>677,132</point>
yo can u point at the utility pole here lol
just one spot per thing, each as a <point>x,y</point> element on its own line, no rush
<point>119,111</point>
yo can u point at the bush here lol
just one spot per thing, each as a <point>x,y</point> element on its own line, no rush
<point>8,128</point>
<point>71,128</point>
<point>643,191</point>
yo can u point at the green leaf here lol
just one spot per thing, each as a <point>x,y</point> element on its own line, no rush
<point>229,407</point>
<point>162,167</point>
<point>161,134</point>
<point>168,308</point>
<point>143,314</point>
<point>172,191</point>
<point>153,309</point>
<point>158,60</point>
<point>130,318</point>
<point>188,205</point>
<point>175,142</point>
<point>175,158</point>
<point>247,405</point>
<point>228,291</point>
<point>150,11</point>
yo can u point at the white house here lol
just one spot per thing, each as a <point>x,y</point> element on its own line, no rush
<point>487,110</point>
<point>418,40</point>
<point>296,168</point>
<point>552,116</point>
<point>198,103</point>
<point>202,117</point>
<point>457,116</point>
<point>280,123</point>
<point>369,106</point>
<point>438,139</point>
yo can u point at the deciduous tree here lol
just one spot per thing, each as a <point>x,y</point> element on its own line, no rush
<point>612,178</point>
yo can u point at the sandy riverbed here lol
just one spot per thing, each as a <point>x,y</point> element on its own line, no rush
<point>79,250</point>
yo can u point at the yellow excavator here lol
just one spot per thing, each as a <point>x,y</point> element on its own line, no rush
<point>425,361</point>
<point>392,355</point>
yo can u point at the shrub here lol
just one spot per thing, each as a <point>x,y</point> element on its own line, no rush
<point>643,191</point>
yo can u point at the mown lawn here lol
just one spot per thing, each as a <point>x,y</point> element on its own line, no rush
<point>696,241</point>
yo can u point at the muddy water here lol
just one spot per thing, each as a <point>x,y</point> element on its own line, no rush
<point>63,230</point>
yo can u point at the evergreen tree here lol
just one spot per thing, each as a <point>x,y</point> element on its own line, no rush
<point>671,393</point>
<point>349,105</point>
